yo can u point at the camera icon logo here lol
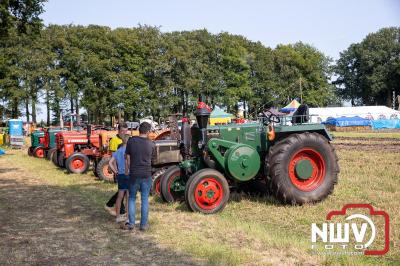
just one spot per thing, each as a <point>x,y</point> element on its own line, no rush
<point>354,233</point>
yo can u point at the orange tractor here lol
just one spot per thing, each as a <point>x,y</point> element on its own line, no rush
<point>76,150</point>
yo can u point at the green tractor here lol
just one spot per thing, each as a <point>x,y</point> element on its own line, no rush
<point>292,157</point>
<point>50,141</point>
<point>37,144</point>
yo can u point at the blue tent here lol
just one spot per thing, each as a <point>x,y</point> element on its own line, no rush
<point>385,123</point>
<point>347,121</point>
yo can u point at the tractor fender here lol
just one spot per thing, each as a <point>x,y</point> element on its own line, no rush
<point>69,149</point>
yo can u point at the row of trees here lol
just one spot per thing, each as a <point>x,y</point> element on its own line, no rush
<point>154,73</point>
<point>147,72</point>
<point>369,71</point>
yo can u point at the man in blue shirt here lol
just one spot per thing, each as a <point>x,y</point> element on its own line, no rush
<point>117,165</point>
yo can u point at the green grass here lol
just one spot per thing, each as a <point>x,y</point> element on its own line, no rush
<point>255,231</point>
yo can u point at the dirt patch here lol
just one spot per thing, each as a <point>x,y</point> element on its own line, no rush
<point>397,140</point>
<point>367,144</point>
<point>49,225</point>
<point>367,147</point>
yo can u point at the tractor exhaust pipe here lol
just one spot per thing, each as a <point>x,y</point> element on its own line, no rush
<point>186,137</point>
<point>88,133</point>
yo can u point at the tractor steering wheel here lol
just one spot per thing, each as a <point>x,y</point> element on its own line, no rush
<point>273,118</point>
<point>269,117</point>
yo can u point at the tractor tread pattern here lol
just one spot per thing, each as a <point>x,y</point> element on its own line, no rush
<point>277,183</point>
<point>99,169</point>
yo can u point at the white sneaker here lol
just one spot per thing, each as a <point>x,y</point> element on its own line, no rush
<point>120,219</point>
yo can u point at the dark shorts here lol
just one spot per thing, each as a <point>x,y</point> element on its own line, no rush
<point>123,182</point>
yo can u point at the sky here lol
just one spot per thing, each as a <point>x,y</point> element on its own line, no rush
<point>330,26</point>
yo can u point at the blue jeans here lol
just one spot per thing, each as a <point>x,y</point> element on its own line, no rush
<point>144,185</point>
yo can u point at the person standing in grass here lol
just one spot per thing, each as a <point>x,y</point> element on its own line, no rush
<point>138,154</point>
<point>117,165</point>
<point>113,146</point>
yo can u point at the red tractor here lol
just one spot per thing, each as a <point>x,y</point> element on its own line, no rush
<point>76,150</point>
<point>69,147</point>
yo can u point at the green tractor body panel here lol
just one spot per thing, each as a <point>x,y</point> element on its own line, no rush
<point>36,137</point>
<point>52,137</point>
<point>252,134</point>
<point>241,161</point>
<point>300,128</point>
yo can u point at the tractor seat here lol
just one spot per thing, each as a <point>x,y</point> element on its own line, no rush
<point>301,115</point>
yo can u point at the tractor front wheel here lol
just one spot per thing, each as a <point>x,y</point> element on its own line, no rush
<point>172,185</point>
<point>77,163</point>
<point>303,168</point>
<point>38,152</point>
<point>103,170</point>
<point>207,191</point>
<point>50,153</point>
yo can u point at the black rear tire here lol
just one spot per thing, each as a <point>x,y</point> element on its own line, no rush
<point>285,185</point>
<point>103,170</point>
<point>172,174</point>
<point>54,159</point>
<point>156,181</point>
<point>60,159</point>
<point>199,187</point>
<point>30,150</point>
<point>50,153</point>
<point>77,163</point>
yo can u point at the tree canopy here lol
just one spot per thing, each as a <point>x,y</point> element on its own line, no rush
<point>368,72</point>
<point>148,72</point>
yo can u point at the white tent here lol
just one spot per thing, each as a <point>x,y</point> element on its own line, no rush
<point>370,112</point>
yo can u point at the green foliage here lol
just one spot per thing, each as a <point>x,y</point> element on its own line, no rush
<point>152,73</point>
<point>19,25</point>
<point>369,71</point>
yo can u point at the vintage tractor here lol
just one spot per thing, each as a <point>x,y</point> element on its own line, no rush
<point>101,160</point>
<point>37,144</point>
<point>167,151</point>
<point>75,149</point>
<point>292,157</point>
<point>49,144</point>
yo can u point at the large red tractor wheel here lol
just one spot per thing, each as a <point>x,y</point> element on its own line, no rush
<point>172,185</point>
<point>38,152</point>
<point>103,170</point>
<point>207,191</point>
<point>50,154</point>
<point>77,163</point>
<point>303,168</point>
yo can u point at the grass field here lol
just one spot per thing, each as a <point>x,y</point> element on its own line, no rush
<point>251,230</point>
